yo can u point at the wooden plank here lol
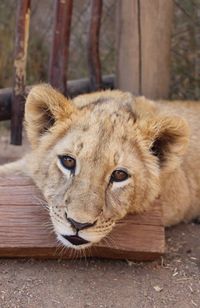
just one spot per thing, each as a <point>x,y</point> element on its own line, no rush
<point>21,44</point>
<point>60,46</point>
<point>26,230</point>
<point>93,46</point>
<point>74,87</point>
<point>143,47</point>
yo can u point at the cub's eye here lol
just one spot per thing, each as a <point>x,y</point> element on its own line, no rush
<point>68,162</point>
<point>119,176</point>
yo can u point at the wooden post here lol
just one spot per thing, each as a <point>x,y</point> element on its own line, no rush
<point>93,46</point>
<point>21,44</point>
<point>143,47</point>
<point>26,230</point>
<point>60,46</point>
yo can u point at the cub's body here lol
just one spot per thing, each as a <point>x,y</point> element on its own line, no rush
<point>153,147</point>
<point>180,190</point>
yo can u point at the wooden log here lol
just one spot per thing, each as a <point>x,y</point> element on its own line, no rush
<point>60,46</point>
<point>21,44</point>
<point>25,229</point>
<point>143,46</point>
<point>75,87</point>
<point>93,46</point>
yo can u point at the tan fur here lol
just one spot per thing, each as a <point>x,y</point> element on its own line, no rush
<point>158,143</point>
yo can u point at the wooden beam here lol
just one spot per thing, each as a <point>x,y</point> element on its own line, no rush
<point>21,45</point>
<point>128,60</point>
<point>60,46</point>
<point>143,46</point>
<point>75,87</point>
<point>93,46</point>
<point>25,229</point>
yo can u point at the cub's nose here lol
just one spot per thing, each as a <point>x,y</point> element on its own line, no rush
<point>78,225</point>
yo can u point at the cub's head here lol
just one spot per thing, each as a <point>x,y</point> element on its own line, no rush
<point>98,157</point>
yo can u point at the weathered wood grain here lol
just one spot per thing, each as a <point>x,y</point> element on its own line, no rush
<point>26,230</point>
<point>128,46</point>
<point>20,60</point>
<point>143,46</point>
<point>60,46</point>
<point>93,46</point>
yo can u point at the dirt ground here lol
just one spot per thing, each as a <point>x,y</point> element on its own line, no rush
<point>171,281</point>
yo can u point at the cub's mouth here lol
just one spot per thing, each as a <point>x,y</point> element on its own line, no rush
<point>75,239</point>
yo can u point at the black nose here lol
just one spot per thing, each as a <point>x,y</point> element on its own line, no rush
<point>78,225</point>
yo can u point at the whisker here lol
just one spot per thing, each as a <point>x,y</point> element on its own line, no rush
<point>41,202</point>
<point>58,249</point>
<point>62,250</point>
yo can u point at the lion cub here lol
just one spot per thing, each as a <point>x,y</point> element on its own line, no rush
<point>100,156</point>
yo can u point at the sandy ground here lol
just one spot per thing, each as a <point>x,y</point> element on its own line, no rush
<point>171,281</point>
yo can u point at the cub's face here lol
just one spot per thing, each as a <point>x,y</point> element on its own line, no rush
<point>96,163</point>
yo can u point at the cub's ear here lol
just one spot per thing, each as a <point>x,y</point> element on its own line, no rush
<point>168,138</point>
<point>44,108</point>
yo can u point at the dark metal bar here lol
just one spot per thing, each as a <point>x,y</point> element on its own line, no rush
<point>60,46</point>
<point>5,104</point>
<point>93,45</point>
<point>21,44</point>
<point>75,87</point>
